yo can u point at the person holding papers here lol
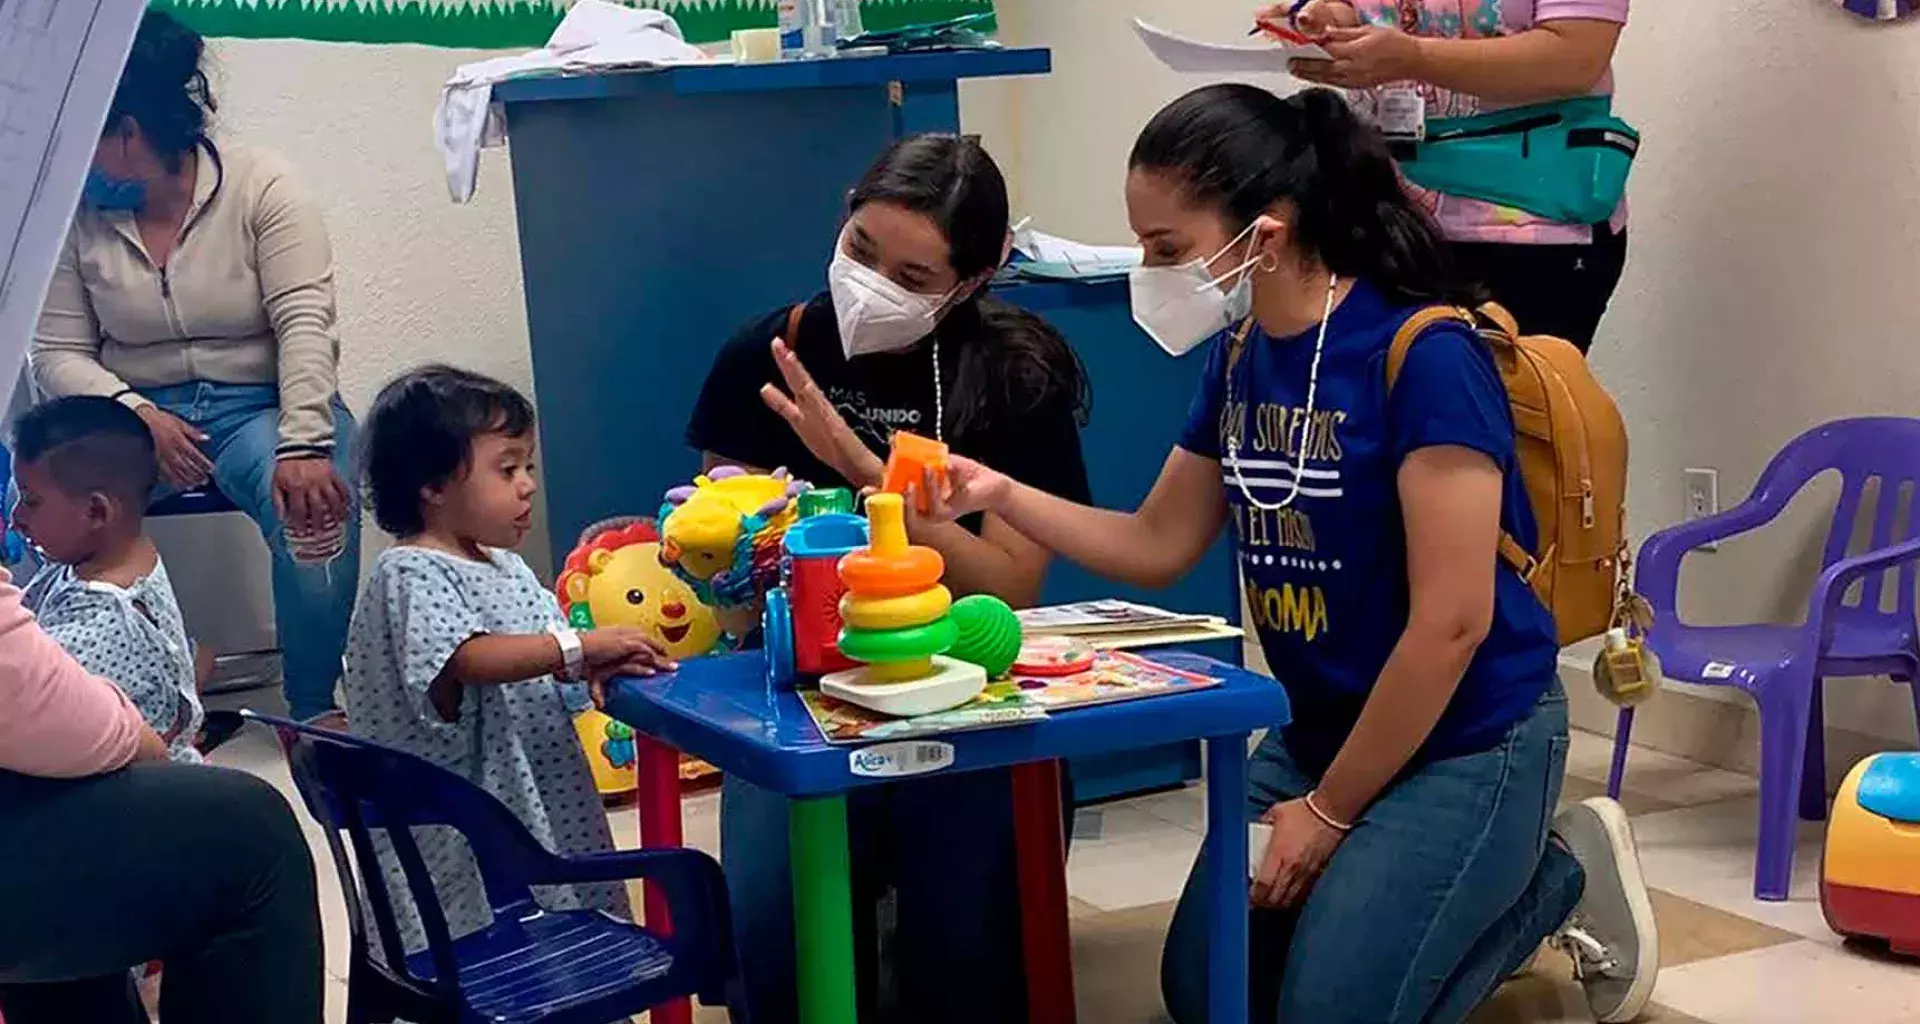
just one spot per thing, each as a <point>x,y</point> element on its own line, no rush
<point>1414,62</point>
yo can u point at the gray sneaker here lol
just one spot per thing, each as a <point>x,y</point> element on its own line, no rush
<point>1611,935</point>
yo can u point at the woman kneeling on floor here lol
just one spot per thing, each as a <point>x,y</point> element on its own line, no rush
<point>1415,859</point>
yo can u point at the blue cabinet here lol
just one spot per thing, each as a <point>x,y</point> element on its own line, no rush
<point>658,211</point>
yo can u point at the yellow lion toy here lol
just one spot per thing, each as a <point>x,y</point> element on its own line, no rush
<point>614,578</point>
<point>721,534</point>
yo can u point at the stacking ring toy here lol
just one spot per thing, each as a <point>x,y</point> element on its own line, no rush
<point>881,573</point>
<point>900,653</point>
<point>895,612</point>
<point>899,624</point>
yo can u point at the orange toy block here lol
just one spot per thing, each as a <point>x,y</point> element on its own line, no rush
<point>914,457</point>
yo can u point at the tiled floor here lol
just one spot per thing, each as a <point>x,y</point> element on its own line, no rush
<point>1726,958</point>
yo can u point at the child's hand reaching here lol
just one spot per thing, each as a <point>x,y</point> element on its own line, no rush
<point>624,650</point>
<point>620,651</point>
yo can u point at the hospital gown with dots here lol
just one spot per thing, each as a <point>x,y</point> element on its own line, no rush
<point>131,636</point>
<point>516,741</point>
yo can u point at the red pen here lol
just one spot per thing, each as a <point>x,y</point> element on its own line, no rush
<point>1284,33</point>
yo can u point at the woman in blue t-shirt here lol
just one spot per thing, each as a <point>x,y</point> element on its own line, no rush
<point>1415,861</point>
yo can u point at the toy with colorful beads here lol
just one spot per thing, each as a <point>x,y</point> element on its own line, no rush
<point>897,624</point>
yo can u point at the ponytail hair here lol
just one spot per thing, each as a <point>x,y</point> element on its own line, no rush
<point>164,88</point>
<point>1239,149</point>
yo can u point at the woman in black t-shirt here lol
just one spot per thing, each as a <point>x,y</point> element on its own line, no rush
<point>904,339</point>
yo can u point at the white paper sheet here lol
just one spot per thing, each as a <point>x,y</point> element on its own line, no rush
<point>1053,256</point>
<point>59,63</point>
<point>1195,57</point>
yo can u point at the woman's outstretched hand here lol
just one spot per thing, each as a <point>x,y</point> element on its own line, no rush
<point>967,488</point>
<point>818,424</point>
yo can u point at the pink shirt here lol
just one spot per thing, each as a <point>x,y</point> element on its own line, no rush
<point>56,720</point>
<point>1470,220</point>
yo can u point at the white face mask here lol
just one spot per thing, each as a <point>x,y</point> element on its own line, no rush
<point>1180,307</point>
<point>876,314</point>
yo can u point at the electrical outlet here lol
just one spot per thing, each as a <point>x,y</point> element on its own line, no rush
<point>1703,497</point>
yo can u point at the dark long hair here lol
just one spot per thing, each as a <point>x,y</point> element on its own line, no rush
<point>164,88</point>
<point>1240,149</point>
<point>1010,361</point>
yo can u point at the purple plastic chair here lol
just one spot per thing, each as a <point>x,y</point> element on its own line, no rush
<point>1860,620</point>
<point>532,966</point>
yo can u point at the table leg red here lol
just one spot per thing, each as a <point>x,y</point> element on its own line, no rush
<point>1040,847</point>
<point>660,825</point>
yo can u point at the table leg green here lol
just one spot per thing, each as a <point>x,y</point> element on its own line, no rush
<point>822,909</point>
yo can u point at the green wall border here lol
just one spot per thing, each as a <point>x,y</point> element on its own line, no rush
<point>498,24</point>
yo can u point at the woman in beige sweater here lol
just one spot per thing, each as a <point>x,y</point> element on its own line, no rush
<point>196,286</point>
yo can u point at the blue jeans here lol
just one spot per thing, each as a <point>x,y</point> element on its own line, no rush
<point>944,844</point>
<point>311,603</point>
<point>1448,886</point>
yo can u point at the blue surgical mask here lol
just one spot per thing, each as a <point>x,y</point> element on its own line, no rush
<point>106,193</point>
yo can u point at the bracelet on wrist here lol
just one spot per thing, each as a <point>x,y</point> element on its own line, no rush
<point>1325,818</point>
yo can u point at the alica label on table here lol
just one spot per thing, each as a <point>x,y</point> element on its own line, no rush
<point>898,760</point>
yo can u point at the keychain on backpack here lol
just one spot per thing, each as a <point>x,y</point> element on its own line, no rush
<point>1626,671</point>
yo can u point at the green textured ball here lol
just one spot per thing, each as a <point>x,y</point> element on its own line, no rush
<point>989,634</point>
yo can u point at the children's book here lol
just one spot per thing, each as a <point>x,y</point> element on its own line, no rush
<point>1115,676</point>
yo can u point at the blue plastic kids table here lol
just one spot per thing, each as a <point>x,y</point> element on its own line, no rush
<point>721,710</point>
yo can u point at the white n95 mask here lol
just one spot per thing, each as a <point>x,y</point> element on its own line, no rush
<point>1180,307</point>
<point>876,314</point>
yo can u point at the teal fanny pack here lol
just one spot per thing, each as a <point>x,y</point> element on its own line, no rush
<point>1564,161</point>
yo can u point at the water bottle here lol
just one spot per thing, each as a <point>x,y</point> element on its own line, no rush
<point>846,20</point>
<point>806,29</point>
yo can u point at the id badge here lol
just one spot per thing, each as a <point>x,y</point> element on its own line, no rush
<point>1402,114</point>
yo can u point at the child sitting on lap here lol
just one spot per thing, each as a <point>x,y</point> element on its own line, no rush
<point>85,469</point>
<point>456,649</point>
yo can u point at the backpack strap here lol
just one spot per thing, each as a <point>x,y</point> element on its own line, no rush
<point>1417,325</point>
<point>1512,551</point>
<point>1237,343</point>
<point>792,337</point>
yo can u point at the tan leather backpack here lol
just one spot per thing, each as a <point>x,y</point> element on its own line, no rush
<point>1572,447</point>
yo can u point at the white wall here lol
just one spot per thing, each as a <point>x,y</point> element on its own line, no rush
<point>420,278</point>
<point>1776,219</point>
<point>1775,232</point>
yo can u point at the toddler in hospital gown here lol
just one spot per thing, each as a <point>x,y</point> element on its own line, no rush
<point>516,741</point>
<point>455,645</point>
<point>86,467</point>
<point>132,636</point>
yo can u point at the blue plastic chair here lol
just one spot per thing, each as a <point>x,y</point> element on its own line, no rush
<point>531,965</point>
<point>1860,620</point>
